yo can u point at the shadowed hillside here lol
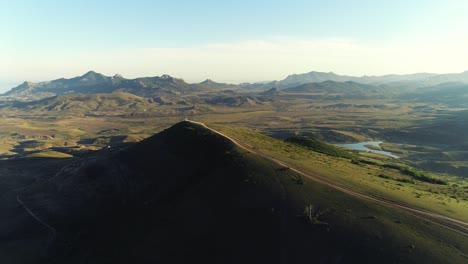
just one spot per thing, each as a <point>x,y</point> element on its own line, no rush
<point>349,89</point>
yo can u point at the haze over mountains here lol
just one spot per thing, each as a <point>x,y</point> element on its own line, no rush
<point>166,85</point>
<point>416,79</point>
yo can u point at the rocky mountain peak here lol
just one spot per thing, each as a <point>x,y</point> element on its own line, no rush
<point>166,76</point>
<point>208,81</point>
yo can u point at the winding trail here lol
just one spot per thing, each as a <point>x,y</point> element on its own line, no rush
<point>453,224</point>
<point>51,229</point>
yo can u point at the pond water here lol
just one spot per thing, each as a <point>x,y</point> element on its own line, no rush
<point>361,146</point>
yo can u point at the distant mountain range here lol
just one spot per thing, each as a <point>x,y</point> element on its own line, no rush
<point>92,82</point>
<point>413,80</point>
<point>167,86</point>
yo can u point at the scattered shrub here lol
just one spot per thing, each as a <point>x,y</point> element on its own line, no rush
<point>319,146</point>
<point>416,174</point>
<point>406,180</point>
<point>383,176</point>
<point>370,162</point>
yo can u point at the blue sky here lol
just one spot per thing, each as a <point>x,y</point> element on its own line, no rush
<point>231,41</point>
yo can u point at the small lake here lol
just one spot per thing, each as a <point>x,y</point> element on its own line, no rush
<point>361,146</point>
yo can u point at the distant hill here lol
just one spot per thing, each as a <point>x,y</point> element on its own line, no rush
<point>86,102</point>
<point>445,78</point>
<point>349,89</point>
<point>312,77</point>
<point>416,79</point>
<point>90,82</point>
<point>93,82</point>
<point>118,103</point>
<point>212,85</point>
<point>272,92</point>
<point>238,100</point>
<point>454,94</point>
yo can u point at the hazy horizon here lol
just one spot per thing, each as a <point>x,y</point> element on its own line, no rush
<point>245,41</point>
<point>7,85</point>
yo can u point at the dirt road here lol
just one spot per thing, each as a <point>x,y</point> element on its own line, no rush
<point>453,224</point>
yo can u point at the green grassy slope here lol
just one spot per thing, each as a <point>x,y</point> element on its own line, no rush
<point>189,195</point>
<point>365,175</point>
